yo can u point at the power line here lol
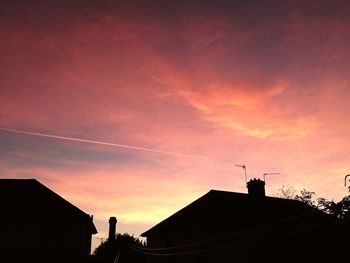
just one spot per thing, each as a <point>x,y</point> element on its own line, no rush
<point>137,249</point>
<point>117,257</point>
<point>231,234</point>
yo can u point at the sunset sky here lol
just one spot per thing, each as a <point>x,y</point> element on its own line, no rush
<point>205,84</point>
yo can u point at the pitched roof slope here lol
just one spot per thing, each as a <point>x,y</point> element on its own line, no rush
<point>229,208</point>
<point>28,197</point>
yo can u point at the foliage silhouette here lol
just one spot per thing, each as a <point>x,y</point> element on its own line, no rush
<point>339,209</point>
<point>107,251</point>
<point>306,197</point>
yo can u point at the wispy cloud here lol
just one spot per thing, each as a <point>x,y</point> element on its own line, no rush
<point>108,87</point>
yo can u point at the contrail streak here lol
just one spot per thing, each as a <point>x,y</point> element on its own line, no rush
<point>98,142</point>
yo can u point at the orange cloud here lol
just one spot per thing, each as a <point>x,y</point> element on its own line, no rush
<point>227,81</point>
<point>245,109</point>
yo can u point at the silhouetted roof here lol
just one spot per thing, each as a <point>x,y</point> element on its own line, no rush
<point>28,198</point>
<point>222,208</point>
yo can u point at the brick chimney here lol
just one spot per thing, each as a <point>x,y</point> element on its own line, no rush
<point>256,188</point>
<point>112,228</point>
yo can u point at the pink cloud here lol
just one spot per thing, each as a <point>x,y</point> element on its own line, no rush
<point>270,92</point>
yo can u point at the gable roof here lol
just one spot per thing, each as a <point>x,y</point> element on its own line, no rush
<point>28,197</point>
<point>241,210</point>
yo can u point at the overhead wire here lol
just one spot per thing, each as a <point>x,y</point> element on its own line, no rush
<point>117,257</point>
<point>137,249</point>
<point>231,234</point>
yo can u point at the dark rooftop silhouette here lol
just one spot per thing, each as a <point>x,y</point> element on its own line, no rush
<point>21,196</point>
<point>242,210</point>
<point>40,225</point>
<point>223,226</point>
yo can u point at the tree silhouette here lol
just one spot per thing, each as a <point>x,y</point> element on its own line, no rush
<point>306,197</point>
<point>339,209</point>
<point>108,250</point>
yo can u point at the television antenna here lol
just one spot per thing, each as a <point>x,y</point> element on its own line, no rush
<point>345,180</point>
<point>264,174</point>
<point>245,171</point>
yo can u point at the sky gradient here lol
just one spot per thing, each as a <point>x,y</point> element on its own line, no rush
<point>205,84</point>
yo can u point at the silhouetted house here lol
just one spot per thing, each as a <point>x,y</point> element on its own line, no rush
<point>235,227</point>
<point>38,223</point>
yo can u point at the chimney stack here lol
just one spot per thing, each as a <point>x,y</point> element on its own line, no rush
<point>256,188</point>
<point>112,228</point>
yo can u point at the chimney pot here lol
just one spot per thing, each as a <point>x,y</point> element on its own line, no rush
<point>112,228</point>
<point>256,188</point>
